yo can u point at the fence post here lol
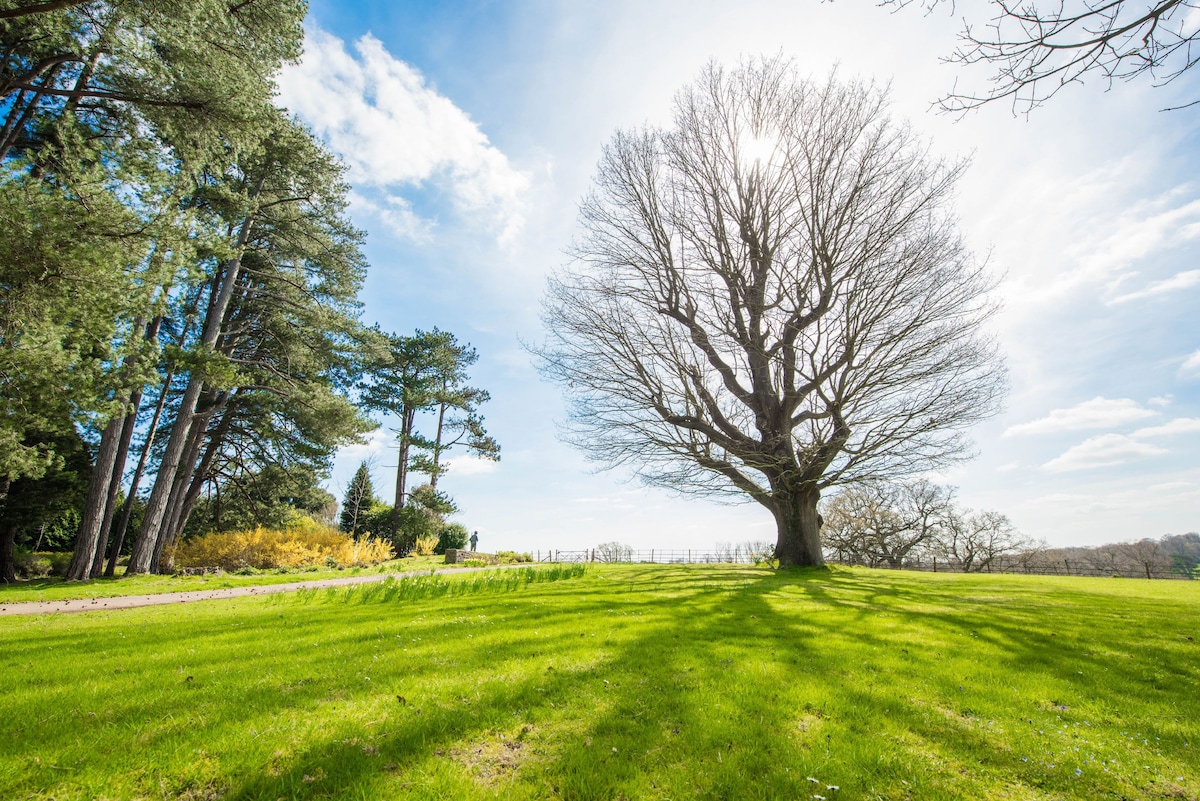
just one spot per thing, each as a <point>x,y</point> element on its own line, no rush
<point>651,556</point>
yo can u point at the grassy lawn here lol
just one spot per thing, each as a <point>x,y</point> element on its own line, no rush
<point>628,682</point>
<point>56,589</point>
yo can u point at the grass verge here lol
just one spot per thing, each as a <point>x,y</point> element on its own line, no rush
<point>649,682</point>
<point>57,589</point>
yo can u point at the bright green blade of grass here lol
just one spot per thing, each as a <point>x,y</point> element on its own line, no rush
<point>629,682</point>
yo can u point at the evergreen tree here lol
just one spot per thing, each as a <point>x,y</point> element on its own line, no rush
<point>360,497</point>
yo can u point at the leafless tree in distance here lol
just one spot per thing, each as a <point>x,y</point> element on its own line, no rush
<point>1037,50</point>
<point>771,297</point>
<point>885,524</point>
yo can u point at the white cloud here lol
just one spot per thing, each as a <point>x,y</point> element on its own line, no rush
<point>1105,450</point>
<point>1161,401</point>
<point>1096,413</point>
<point>470,466</point>
<point>395,132</point>
<point>1181,425</point>
<point>1184,280</point>
<point>1191,364</point>
<point>396,213</point>
<point>370,449</point>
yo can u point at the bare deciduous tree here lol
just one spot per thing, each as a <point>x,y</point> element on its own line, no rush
<point>977,539</point>
<point>771,297</point>
<point>1145,555</point>
<point>1037,50</point>
<point>886,524</point>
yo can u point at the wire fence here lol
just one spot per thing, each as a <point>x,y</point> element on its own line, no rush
<point>1020,564</point>
<point>732,555</point>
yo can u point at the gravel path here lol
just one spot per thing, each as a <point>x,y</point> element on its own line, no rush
<point>161,599</point>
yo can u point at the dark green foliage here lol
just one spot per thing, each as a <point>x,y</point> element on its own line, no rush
<point>271,497</point>
<point>437,503</point>
<point>360,497</point>
<point>33,502</point>
<point>451,535</point>
<point>414,523</point>
<point>378,520</point>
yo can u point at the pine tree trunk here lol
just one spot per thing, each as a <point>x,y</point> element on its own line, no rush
<point>87,540</point>
<point>135,483</point>
<point>8,554</point>
<point>437,447</point>
<point>406,428</point>
<point>183,510</point>
<point>798,525</point>
<point>156,507</point>
<point>183,481</point>
<point>114,485</point>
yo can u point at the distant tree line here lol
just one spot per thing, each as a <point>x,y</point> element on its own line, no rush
<point>180,342</point>
<point>919,525</point>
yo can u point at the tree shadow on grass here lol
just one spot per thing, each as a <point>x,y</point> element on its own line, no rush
<point>731,684</point>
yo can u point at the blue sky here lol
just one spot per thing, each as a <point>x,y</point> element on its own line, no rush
<point>471,131</point>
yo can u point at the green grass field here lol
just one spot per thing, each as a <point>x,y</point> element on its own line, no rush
<point>57,589</point>
<point>628,682</point>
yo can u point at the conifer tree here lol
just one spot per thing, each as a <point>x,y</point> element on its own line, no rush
<point>360,497</point>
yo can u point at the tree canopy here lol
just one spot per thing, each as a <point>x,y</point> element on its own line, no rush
<point>770,297</point>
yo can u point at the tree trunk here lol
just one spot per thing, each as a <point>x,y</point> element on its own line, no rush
<point>94,512</point>
<point>406,428</point>
<point>114,485</point>
<point>183,509</point>
<point>8,554</point>
<point>135,483</point>
<point>437,447</point>
<point>184,474</point>
<point>156,507</point>
<point>799,527</point>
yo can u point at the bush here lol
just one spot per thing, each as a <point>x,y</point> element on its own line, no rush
<point>31,565</point>
<point>424,546</point>
<point>452,535</point>
<point>416,523</point>
<point>304,543</point>
<point>512,557</point>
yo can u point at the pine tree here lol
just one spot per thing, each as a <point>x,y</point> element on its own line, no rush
<point>360,497</point>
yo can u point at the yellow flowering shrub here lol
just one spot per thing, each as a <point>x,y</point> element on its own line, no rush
<point>424,546</point>
<point>302,543</point>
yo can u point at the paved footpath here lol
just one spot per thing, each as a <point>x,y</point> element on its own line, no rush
<point>162,599</point>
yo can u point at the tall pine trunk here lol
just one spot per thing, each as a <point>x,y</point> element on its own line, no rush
<point>407,422</point>
<point>437,446</point>
<point>135,482</point>
<point>88,537</point>
<point>189,482</point>
<point>8,554</point>
<point>114,484</point>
